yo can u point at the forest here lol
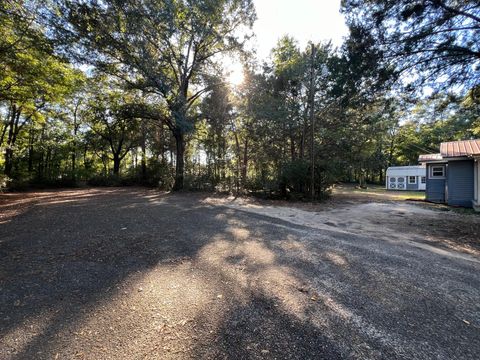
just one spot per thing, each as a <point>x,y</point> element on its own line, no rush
<point>134,92</point>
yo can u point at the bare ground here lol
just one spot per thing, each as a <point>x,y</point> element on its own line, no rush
<point>378,209</point>
<point>138,274</point>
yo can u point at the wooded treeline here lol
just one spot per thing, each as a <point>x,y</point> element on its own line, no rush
<point>133,92</point>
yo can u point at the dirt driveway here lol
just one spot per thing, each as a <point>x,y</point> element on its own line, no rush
<point>136,274</point>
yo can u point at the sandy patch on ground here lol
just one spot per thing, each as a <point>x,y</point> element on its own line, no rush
<point>389,221</point>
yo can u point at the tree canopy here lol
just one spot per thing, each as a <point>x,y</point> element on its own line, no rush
<point>137,92</point>
<point>432,42</point>
<point>164,49</point>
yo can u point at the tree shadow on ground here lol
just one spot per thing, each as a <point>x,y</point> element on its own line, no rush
<point>131,273</point>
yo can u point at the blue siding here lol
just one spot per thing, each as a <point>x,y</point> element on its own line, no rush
<point>413,186</point>
<point>435,191</point>
<point>435,188</point>
<point>460,183</point>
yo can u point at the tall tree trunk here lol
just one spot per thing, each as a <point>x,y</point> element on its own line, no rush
<point>144,153</point>
<point>180,159</point>
<point>10,141</point>
<point>4,131</point>
<point>104,159</point>
<point>74,145</point>
<point>8,162</point>
<point>312,124</point>
<point>74,161</point>
<point>293,154</point>
<point>85,161</point>
<point>40,167</point>
<point>245,163</point>
<point>41,161</point>
<point>239,159</point>
<point>116,164</point>
<point>30,151</point>
<point>361,178</point>
<point>224,162</point>
<point>47,163</point>
<point>390,151</point>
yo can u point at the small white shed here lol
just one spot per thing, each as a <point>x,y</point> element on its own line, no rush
<point>406,178</point>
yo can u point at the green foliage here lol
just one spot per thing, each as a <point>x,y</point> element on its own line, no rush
<point>111,126</point>
<point>4,182</point>
<point>432,121</point>
<point>34,83</point>
<point>152,106</point>
<point>107,181</point>
<point>162,48</point>
<point>295,175</point>
<point>435,40</point>
<point>159,174</point>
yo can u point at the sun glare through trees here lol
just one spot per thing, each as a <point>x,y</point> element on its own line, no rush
<point>225,95</point>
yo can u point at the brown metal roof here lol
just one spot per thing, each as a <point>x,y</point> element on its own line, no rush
<point>429,157</point>
<point>460,148</point>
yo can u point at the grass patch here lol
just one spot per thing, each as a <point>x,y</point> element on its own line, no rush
<point>378,190</point>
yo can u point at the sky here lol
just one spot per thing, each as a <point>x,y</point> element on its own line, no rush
<point>317,20</point>
<point>305,20</point>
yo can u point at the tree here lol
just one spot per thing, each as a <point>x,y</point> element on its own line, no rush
<point>217,110</point>
<point>277,98</point>
<point>289,69</point>
<point>32,77</point>
<point>160,47</point>
<point>432,42</point>
<point>430,122</point>
<point>106,117</point>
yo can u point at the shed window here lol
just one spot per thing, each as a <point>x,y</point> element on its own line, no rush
<point>392,179</point>
<point>400,179</point>
<point>412,179</point>
<point>437,171</point>
<point>423,180</point>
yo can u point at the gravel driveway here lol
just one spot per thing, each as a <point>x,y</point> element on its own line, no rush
<point>136,274</point>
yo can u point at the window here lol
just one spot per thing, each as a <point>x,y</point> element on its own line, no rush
<point>412,179</point>
<point>400,179</point>
<point>423,180</point>
<point>437,171</point>
<point>392,179</point>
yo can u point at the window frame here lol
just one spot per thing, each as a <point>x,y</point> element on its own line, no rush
<point>423,180</point>
<point>431,171</point>
<point>409,178</point>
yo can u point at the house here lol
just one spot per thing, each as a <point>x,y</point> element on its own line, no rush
<point>453,175</point>
<point>406,178</point>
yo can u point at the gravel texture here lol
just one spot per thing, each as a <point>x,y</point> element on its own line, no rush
<point>137,274</point>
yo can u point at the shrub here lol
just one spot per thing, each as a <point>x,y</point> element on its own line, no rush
<point>4,182</point>
<point>99,180</point>
<point>295,176</point>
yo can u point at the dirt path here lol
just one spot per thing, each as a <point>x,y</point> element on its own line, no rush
<point>404,221</point>
<point>134,274</point>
